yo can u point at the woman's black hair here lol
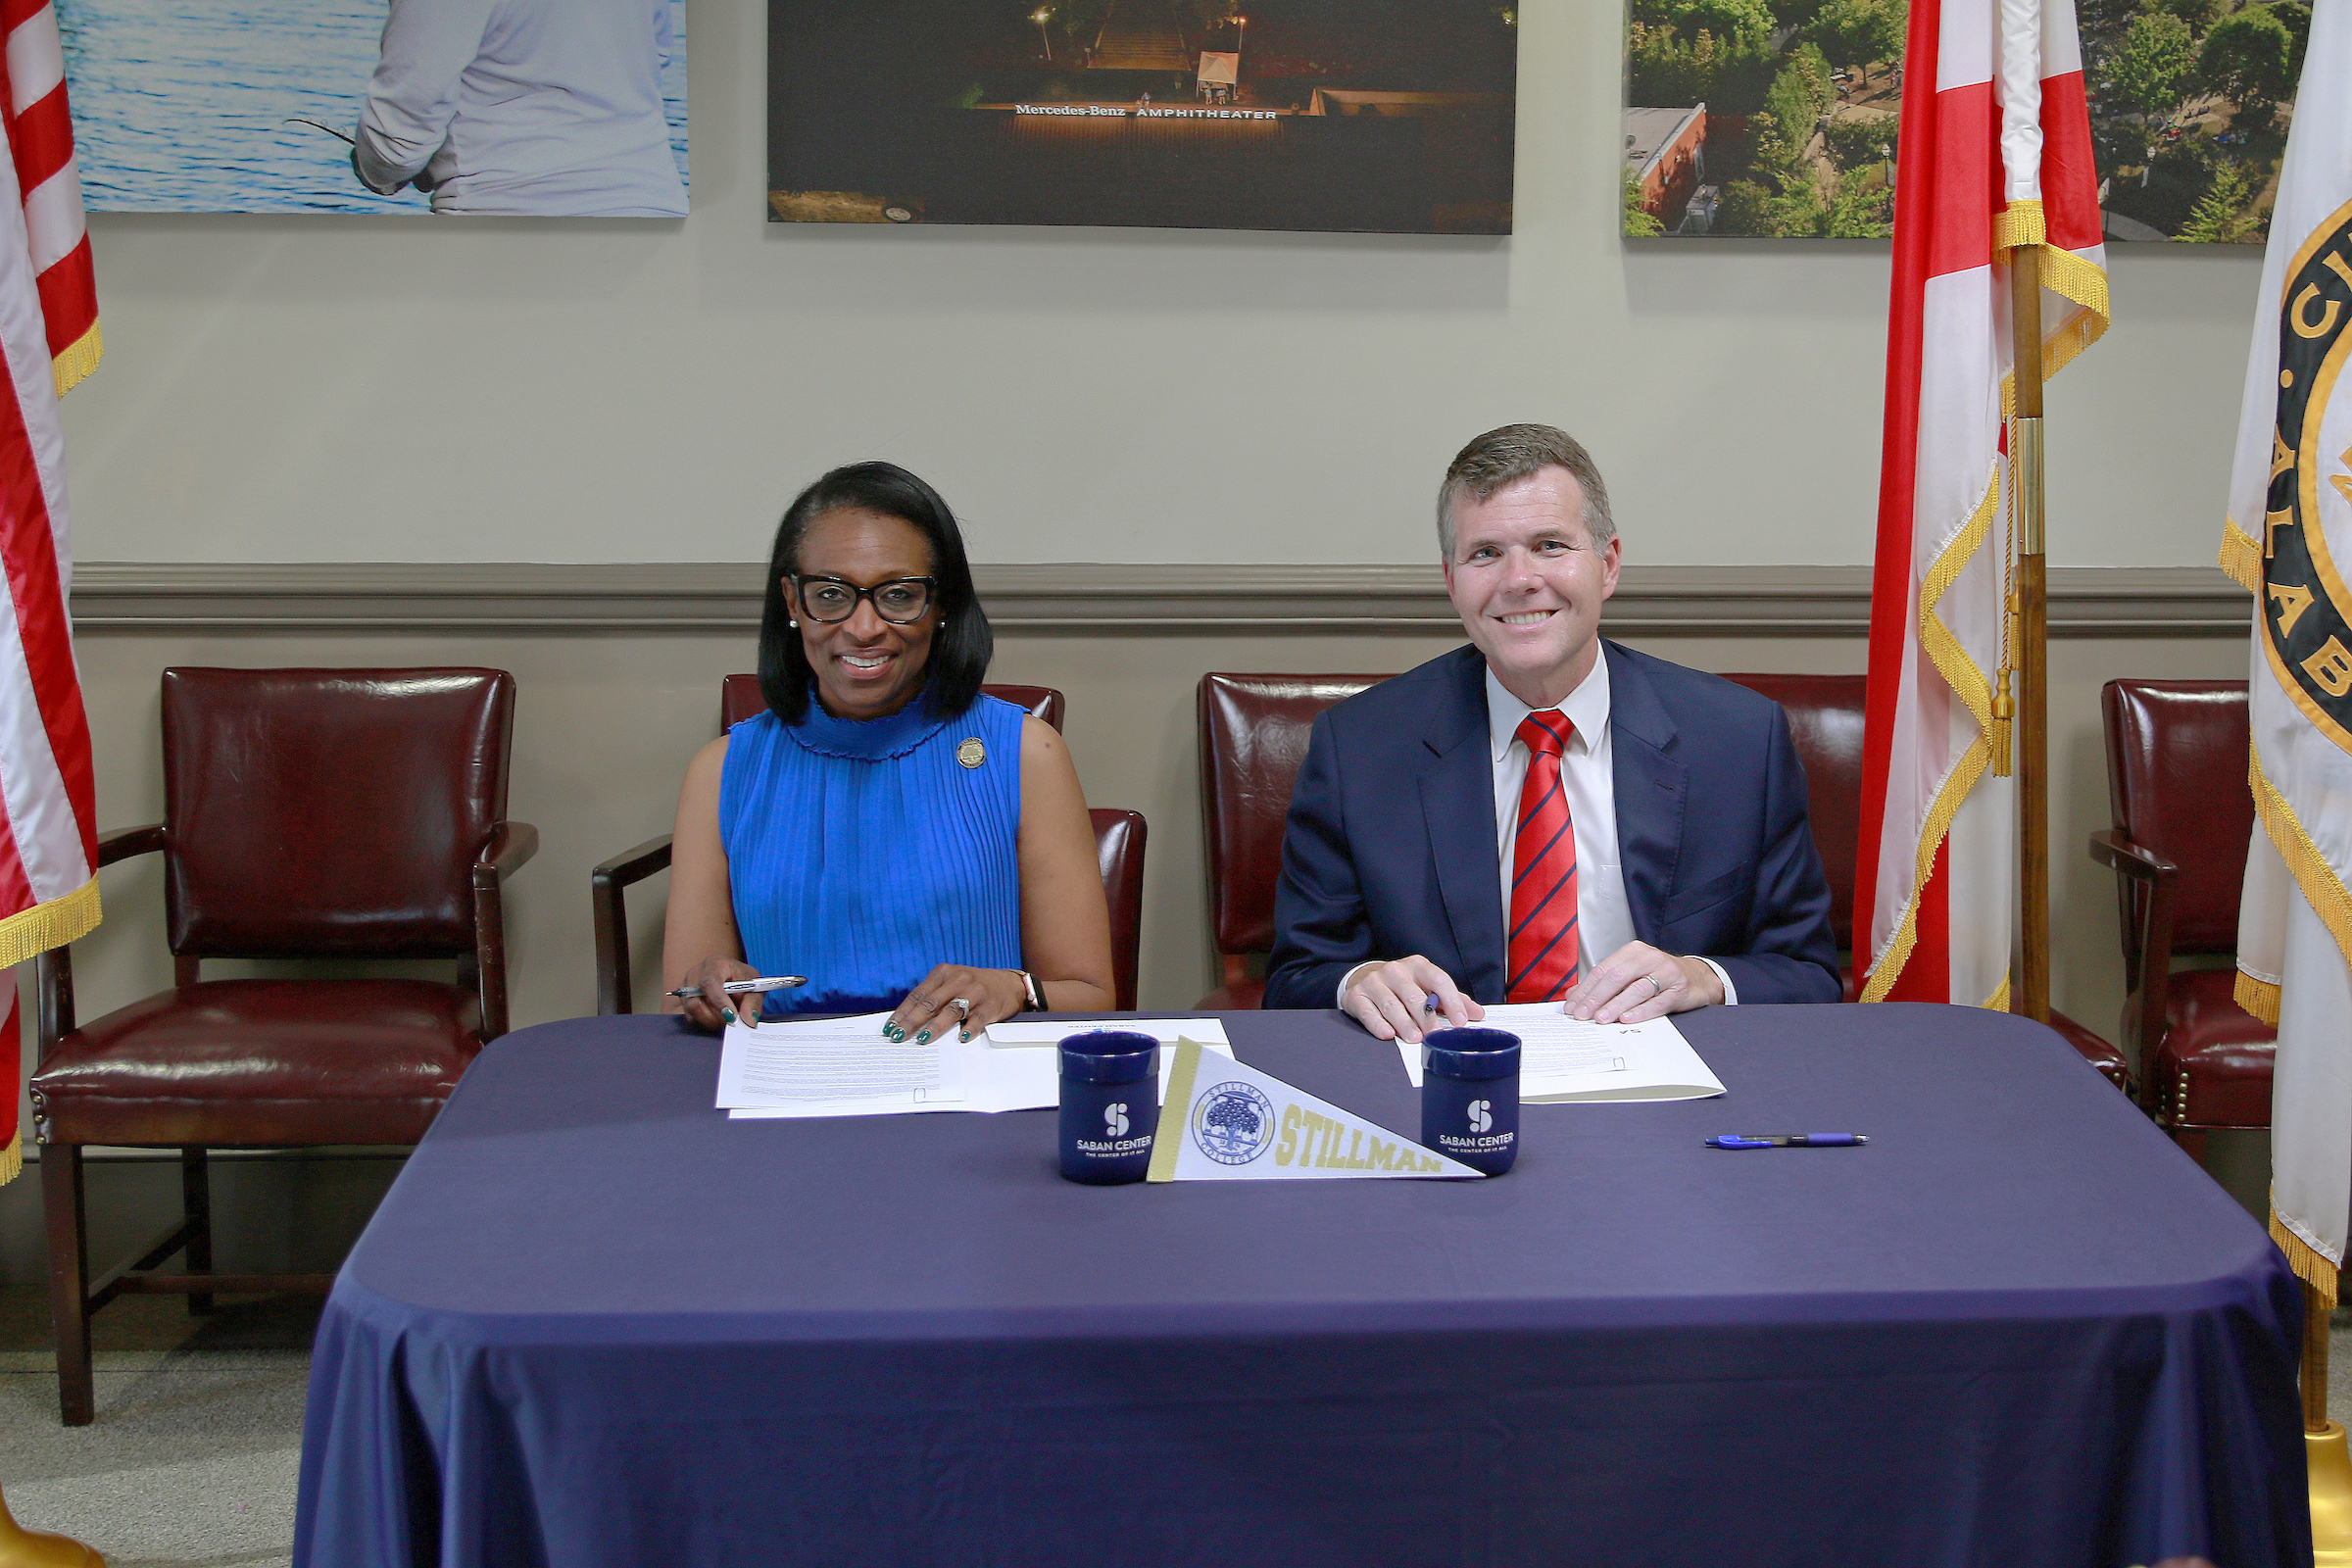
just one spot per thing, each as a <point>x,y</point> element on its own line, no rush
<point>962,645</point>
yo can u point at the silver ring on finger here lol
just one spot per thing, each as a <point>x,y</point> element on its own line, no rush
<point>1656,990</point>
<point>963,1006</point>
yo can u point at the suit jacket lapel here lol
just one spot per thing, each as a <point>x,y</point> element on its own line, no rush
<point>1457,806</point>
<point>1652,787</point>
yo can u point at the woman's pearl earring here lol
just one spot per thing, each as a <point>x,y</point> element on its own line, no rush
<point>794,624</point>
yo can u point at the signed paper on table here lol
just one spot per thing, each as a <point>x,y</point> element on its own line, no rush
<point>1563,1059</point>
<point>847,1067</point>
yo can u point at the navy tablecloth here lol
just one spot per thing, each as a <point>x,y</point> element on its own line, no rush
<point>596,1323</point>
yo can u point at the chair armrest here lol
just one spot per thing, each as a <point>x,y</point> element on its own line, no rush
<point>53,970</point>
<point>633,866</point>
<point>608,913</point>
<point>513,844</point>
<point>124,843</point>
<point>2146,918</point>
<point>2119,854</point>
<point>509,846</point>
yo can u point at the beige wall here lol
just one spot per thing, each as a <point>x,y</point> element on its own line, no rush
<point>287,388</point>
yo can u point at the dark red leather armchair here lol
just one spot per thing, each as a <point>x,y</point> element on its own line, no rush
<point>309,813</point>
<point>1119,843</point>
<point>2176,755</point>
<point>1253,734</point>
<point>1824,720</point>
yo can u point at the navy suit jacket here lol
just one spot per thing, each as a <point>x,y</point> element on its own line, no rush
<point>1390,847</point>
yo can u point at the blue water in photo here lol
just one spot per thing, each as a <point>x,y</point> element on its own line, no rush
<point>180,106</point>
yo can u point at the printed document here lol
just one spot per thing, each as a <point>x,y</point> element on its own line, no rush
<point>847,1067</point>
<point>1563,1059</point>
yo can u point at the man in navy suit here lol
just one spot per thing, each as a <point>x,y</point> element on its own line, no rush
<point>1648,856</point>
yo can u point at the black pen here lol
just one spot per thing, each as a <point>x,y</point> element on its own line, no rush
<point>1787,1141</point>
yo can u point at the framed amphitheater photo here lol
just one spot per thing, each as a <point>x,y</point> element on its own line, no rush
<point>1324,114</point>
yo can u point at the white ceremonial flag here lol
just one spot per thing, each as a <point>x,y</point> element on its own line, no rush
<point>2289,519</point>
<point>1234,1123</point>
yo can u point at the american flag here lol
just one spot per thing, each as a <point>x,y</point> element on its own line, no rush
<point>49,335</point>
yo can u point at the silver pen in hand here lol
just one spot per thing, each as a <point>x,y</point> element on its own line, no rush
<point>740,988</point>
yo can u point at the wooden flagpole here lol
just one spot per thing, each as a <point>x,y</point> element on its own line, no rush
<point>2030,615</point>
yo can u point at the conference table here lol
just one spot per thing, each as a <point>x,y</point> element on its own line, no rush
<point>595,1322</point>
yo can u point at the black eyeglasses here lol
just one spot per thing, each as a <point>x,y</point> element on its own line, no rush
<point>831,600</point>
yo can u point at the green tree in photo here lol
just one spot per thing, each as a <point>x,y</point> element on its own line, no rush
<point>1640,223</point>
<point>2296,17</point>
<point>1746,209</point>
<point>1855,140</point>
<point>2247,57</point>
<point>1800,95</point>
<point>2197,14</point>
<point>2153,66</point>
<point>1857,33</point>
<point>1859,210</point>
<point>1663,71</point>
<point>2222,217</point>
<point>1737,19</point>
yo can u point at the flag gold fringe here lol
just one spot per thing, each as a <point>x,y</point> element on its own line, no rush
<point>48,926</point>
<point>2063,274</point>
<point>1944,649</point>
<point>1948,800</point>
<point>2242,557</point>
<point>2320,886</point>
<point>1960,673</point>
<point>2258,996</point>
<point>1998,1001</point>
<point>78,359</point>
<point>2311,1265</point>
<point>11,1161</point>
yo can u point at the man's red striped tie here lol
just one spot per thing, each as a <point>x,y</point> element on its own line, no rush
<point>1543,935</point>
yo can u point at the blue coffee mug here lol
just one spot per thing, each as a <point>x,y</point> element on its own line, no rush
<point>1470,1098</point>
<point>1109,1105</point>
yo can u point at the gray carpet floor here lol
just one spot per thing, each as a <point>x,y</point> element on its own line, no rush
<point>192,1460</point>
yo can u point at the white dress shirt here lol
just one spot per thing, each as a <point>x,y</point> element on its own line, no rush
<point>534,108</point>
<point>1604,919</point>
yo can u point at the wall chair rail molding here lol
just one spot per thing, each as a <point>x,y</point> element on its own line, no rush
<point>672,597</point>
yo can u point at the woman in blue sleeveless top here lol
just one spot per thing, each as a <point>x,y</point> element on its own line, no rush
<point>885,828</point>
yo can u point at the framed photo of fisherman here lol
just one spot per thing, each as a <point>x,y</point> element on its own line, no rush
<point>507,108</point>
<point>1781,118</point>
<point>1325,114</point>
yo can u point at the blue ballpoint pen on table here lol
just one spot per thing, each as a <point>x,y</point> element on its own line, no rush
<point>1788,1141</point>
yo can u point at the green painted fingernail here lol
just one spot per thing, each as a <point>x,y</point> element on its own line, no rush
<point>727,1013</point>
<point>923,1039</point>
<point>964,1034</point>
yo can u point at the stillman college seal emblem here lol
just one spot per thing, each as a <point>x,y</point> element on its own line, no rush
<point>1232,1123</point>
<point>970,753</point>
<point>2307,610</point>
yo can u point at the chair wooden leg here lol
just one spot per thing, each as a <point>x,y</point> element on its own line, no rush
<point>196,1202</point>
<point>68,1281</point>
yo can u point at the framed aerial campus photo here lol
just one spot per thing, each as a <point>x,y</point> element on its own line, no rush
<point>526,108</point>
<point>1379,116</point>
<point>1782,118</point>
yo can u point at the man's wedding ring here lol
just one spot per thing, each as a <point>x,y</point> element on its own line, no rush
<point>1656,990</point>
